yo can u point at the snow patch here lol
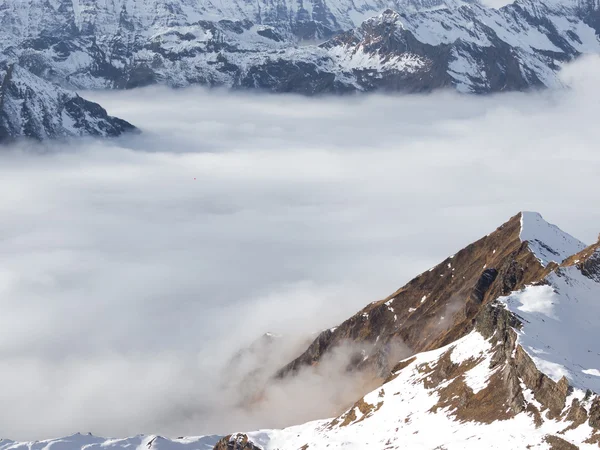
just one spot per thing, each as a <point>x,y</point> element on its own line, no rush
<point>560,325</point>
<point>547,242</point>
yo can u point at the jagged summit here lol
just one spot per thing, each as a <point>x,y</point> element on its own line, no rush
<point>548,242</point>
<point>438,306</point>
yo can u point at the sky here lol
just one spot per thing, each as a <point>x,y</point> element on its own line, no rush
<point>132,269</point>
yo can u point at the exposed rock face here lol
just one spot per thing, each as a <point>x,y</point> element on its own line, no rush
<point>403,45</point>
<point>587,261</point>
<point>557,443</point>
<point>236,442</point>
<point>498,325</point>
<point>31,107</point>
<point>595,414</point>
<point>438,306</point>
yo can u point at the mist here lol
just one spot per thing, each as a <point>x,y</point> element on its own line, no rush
<point>132,270</point>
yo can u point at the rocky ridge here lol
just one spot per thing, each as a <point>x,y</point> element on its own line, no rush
<point>519,353</point>
<point>438,306</point>
<point>34,108</point>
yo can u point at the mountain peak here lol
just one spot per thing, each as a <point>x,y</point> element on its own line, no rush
<point>439,305</point>
<point>546,241</point>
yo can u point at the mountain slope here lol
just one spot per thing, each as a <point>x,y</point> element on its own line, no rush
<point>526,370</point>
<point>405,45</point>
<point>479,392</point>
<point>32,107</point>
<point>438,306</point>
<point>562,316</point>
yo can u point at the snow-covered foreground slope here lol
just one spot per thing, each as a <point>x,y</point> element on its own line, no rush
<point>32,107</point>
<point>406,45</point>
<point>418,409</point>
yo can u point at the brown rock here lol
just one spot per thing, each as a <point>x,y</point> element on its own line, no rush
<point>436,307</point>
<point>576,414</point>
<point>594,420</point>
<point>236,442</point>
<point>552,395</point>
<point>557,443</point>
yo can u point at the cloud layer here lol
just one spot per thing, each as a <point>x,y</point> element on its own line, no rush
<point>131,270</point>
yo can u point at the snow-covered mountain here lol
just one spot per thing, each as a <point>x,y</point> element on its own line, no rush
<point>504,354</point>
<point>407,45</point>
<point>523,371</point>
<point>366,45</point>
<point>34,108</point>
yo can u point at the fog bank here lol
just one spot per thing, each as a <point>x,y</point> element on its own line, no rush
<point>132,269</point>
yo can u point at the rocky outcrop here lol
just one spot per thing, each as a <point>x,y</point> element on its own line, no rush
<point>236,442</point>
<point>496,323</point>
<point>595,414</point>
<point>557,443</point>
<point>515,386</point>
<point>587,261</point>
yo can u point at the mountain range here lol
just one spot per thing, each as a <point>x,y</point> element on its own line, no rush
<point>500,350</point>
<point>307,46</point>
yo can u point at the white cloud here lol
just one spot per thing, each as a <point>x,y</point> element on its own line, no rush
<point>125,283</point>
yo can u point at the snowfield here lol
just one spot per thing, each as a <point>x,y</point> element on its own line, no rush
<point>547,242</point>
<point>405,421</point>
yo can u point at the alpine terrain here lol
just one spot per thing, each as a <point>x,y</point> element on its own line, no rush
<point>306,46</point>
<point>33,107</point>
<point>503,353</point>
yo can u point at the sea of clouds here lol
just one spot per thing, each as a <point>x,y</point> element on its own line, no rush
<point>131,270</point>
